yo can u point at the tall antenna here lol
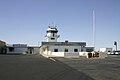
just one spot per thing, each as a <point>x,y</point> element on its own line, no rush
<point>93,29</point>
<point>53,24</point>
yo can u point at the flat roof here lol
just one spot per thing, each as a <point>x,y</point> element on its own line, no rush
<point>63,43</point>
<point>2,41</point>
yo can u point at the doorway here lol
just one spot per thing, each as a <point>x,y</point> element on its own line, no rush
<point>30,50</point>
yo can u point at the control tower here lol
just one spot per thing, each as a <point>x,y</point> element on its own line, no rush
<point>51,35</point>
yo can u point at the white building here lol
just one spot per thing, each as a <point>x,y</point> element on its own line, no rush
<point>52,48</point>
<point>106,50</point>
<point>61,49</point>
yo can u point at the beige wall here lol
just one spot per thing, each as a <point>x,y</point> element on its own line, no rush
<point>2,45</point>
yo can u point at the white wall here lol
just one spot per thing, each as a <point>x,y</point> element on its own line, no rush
<point>61,48</point>
<point>57,54</point>
<point>45,51</point>
<point>71,55</point>
<point>49,51</point>
<point>61,52</point>
<point>105,49</point>
<point>83,53</point>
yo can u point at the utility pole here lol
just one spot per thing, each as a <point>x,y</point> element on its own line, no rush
<point>93,29</point>
<point>38,43</point>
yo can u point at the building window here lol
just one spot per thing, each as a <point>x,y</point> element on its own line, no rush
<point>81,49</point>
<point>89,50</point>
<point>52,38</point>
<point>11,49</point>
<point>109,51</point>
<point>55,50</point>
<point>75,50</point>
<point>53,34</point>
<point>66,50</point>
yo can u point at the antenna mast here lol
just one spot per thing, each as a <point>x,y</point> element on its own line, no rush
<point>93,29</point>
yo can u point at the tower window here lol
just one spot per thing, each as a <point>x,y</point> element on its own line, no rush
<point>75,50</point>
<point>52,38</point>
<point>55,50</point>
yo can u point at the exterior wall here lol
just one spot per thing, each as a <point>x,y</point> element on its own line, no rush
<point>87,49</point>
<point>50,51</point>
<point>36,50</point>
<point>17,50</point>
<point>41,50</point>
<point>57,54</point>
<point>22,49</point>
<point>2,44</point>
<point>62,53</point>
<point>83,53</point>
<point>2,47</point>
<point>105,49</point>
<point>71,54</point>
<point>45,51</point>
<point>61,48</point>
<point>50,35</point>
<point>102,55</point>
<point>33,50</point>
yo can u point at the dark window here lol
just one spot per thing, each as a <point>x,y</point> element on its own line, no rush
<point>52,38</point>
<point>55,50</point>
<point>11,49</point>
<point>53,34</point>
<point>89,50</point>
<point>109,51</point>
<point>75,50</point>
<point>66,50</point>
<point>81,49</point>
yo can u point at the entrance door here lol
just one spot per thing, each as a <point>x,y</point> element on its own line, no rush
<point>30,50</point>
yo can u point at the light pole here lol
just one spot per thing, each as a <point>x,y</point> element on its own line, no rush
<point>94,29</point>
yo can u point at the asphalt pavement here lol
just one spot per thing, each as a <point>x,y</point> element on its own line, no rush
<point>98,69</point>
<point>37,67</point>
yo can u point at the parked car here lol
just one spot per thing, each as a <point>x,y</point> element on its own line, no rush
<point>115,52</point>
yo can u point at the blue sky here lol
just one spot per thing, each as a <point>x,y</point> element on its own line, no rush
<point>26,21</point>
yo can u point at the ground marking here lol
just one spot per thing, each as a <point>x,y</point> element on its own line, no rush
<point>52,59</point>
